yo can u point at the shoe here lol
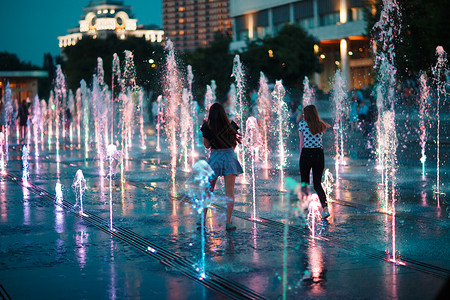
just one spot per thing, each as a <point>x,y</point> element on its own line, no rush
<point>230,227</point>
<point>325,213</point>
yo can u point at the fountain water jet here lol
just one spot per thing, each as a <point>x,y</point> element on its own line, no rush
<point>201,197</point>
<point>424,96</point>
<point>282,127</point>
<point>26,166</point>
<point>2,155</point>
<point>172,91</point>
<point>112,155</point>
<point>8,117</point>
<point>438,73</point>
<point>308,93</point>
<point>79,186</point>
<point>252,141</point>
<point>159,121</point>
<point>339,97</point>
<point>238,74</point>
<point>265,117</point>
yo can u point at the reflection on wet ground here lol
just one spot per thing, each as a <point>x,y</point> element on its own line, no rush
<point>59,254</point>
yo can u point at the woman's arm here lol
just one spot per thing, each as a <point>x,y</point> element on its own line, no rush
<point>206,143</point>
<point>300,134</point>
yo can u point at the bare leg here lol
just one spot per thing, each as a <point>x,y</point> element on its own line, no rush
<point>229,192</point>
<point>213,185</point>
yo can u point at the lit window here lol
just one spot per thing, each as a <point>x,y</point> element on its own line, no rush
<point>182,32</point>
<point>181,9</point>
<point>181,21</point>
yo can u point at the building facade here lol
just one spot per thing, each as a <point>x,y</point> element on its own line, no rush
<point>338,25</point>
<point>104,18</point>
<point>191,24</point>
<point>23,84</point>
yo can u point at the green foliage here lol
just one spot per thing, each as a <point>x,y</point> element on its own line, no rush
<point>10,62</point>
<point>81,60</point>
<point>212,62</point>
<point>293,57</point>
<point>424,25</point>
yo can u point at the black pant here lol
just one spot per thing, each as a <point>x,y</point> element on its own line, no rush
<point>313,158</point>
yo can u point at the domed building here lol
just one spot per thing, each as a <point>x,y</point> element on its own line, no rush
<point>102,19</point>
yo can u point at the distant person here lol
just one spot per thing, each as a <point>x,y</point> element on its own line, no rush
<point>362,111</point>
<point>353,112</point>
<point>311,130</point>
<point>22,115</point>
<point>222,136</point>
<point>68,120</point>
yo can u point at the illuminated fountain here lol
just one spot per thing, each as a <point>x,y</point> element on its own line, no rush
<point>112,155</point>
<point>59,194</point>
<point>209,100</point>
<point>51,114</point>
<point>439,77</point>
<point>8,117</point>
<point>99,115</point>
<point>79,186</point>
<point>116,81</point>
<point>159,121</point>
<point>327,184</point>
<point>424,96</point>
<point>79,115</point>
<point>339,97</point>
<point>252,141</point>
<point>308,94</point>
<point>387,31</point>
<point>265,117</point>
<point>142,134</point>
<point>194,110</point>
<point>172,92</point>
<point>44,119</point>
<point>231,108</point>
<point>61,103</point>
<point>85,100</point>
<point>2,155</point>
<point>71,107</point>
<point>129,91</point>
<point>26,166</point>
<point>186,126</point>
<point>213,90</point>
<point>314,218</point>
<point>37,123</point>
<point>201,197</point>
<point>282,114</point>
<point>238,74</point>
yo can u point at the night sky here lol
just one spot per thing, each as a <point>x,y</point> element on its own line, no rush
<point>30,27</point>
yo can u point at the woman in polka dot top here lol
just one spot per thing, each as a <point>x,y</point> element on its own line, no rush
<point>311,130</point>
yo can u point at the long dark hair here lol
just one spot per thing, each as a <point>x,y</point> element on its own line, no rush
<point>226,136</point>
<point>315,123</point>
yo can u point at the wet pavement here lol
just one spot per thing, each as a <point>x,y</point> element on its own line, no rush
<point>48,251</point>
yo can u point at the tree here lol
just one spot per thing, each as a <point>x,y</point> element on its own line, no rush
<point>424,25</point>
<point>11,62</point>
<point>212,62</point>
<point>45,84</point>
<point>81,62</point>
<point>288,56</point>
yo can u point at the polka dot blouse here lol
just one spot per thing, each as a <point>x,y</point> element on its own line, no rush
<point>310,140</point>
